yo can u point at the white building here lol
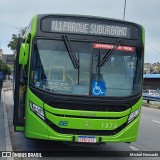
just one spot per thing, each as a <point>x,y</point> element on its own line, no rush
<point>8,59</point>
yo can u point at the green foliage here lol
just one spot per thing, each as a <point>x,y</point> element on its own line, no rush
<point>13,43</point>
<point>5,68</point>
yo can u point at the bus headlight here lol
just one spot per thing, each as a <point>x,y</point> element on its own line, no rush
<point>37,110</point>
<point>133,115</point>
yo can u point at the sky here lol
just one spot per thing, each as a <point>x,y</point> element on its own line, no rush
<point>17,13</point>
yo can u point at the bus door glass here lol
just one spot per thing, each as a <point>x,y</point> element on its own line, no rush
<point>19,91</point>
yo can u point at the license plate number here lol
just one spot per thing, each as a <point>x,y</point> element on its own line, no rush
<point>87,139</point>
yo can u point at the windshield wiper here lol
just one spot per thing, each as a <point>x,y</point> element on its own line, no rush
<point>109,54</point>
<point>73,57</point>
<point>71,52</point>
<point>98,65</point>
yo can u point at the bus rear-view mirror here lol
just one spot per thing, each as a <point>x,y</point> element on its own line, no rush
<point>23,56</point>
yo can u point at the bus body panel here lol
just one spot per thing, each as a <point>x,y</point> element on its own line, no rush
<point>41,131</point>
<point>39,127</point>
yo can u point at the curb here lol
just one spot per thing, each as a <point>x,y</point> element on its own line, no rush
<point>6,126</point>
<point>153,105</point>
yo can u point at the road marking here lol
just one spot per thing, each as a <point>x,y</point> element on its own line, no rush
<point>134,148</point>
<point>155,121</point>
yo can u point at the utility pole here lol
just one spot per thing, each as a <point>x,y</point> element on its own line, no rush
<point>124,12</point>
<point>0,51</point>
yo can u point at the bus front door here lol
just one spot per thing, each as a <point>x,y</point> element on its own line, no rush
<point>19,89</point>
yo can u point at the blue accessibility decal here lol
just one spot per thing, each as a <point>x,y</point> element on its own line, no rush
<point>98,88</point>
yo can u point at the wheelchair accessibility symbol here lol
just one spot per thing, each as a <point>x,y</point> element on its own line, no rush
<point>98,88</point>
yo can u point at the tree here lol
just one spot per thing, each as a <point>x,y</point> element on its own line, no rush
<point>5,68</point>
<point>13,43</point>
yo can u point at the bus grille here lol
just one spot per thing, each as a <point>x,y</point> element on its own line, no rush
<point>84,132</point>
<point>89,107</point>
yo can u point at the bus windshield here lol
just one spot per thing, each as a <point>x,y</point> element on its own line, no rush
<point>53,70</point>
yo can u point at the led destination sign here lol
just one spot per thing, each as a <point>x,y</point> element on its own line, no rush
<point>86,27</point>
<point>89,28</point>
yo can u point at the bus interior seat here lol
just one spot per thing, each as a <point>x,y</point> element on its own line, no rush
<point>57,73</point>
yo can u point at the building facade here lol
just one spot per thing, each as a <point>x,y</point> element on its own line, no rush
<point>151,81</point>
<point>8,59</point>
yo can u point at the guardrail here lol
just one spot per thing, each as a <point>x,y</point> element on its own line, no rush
<point>150,98</point>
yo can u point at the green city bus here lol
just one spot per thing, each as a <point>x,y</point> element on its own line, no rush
<point>79,79</point>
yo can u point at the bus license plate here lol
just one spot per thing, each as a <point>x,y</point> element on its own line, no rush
<point>87,139</point>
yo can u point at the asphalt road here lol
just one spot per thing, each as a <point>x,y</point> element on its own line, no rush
<point>148,139</point>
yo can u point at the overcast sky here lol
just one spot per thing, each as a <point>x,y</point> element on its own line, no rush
<point>17,13</point>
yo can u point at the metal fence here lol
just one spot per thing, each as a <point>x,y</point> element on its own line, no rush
<point>151,98</point>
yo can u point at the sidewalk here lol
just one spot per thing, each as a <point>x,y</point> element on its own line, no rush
<point>2,130</point>
<point>5,140</point>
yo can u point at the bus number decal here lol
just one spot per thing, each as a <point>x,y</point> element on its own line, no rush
<point>63,123</point>
<point>109,125</point>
